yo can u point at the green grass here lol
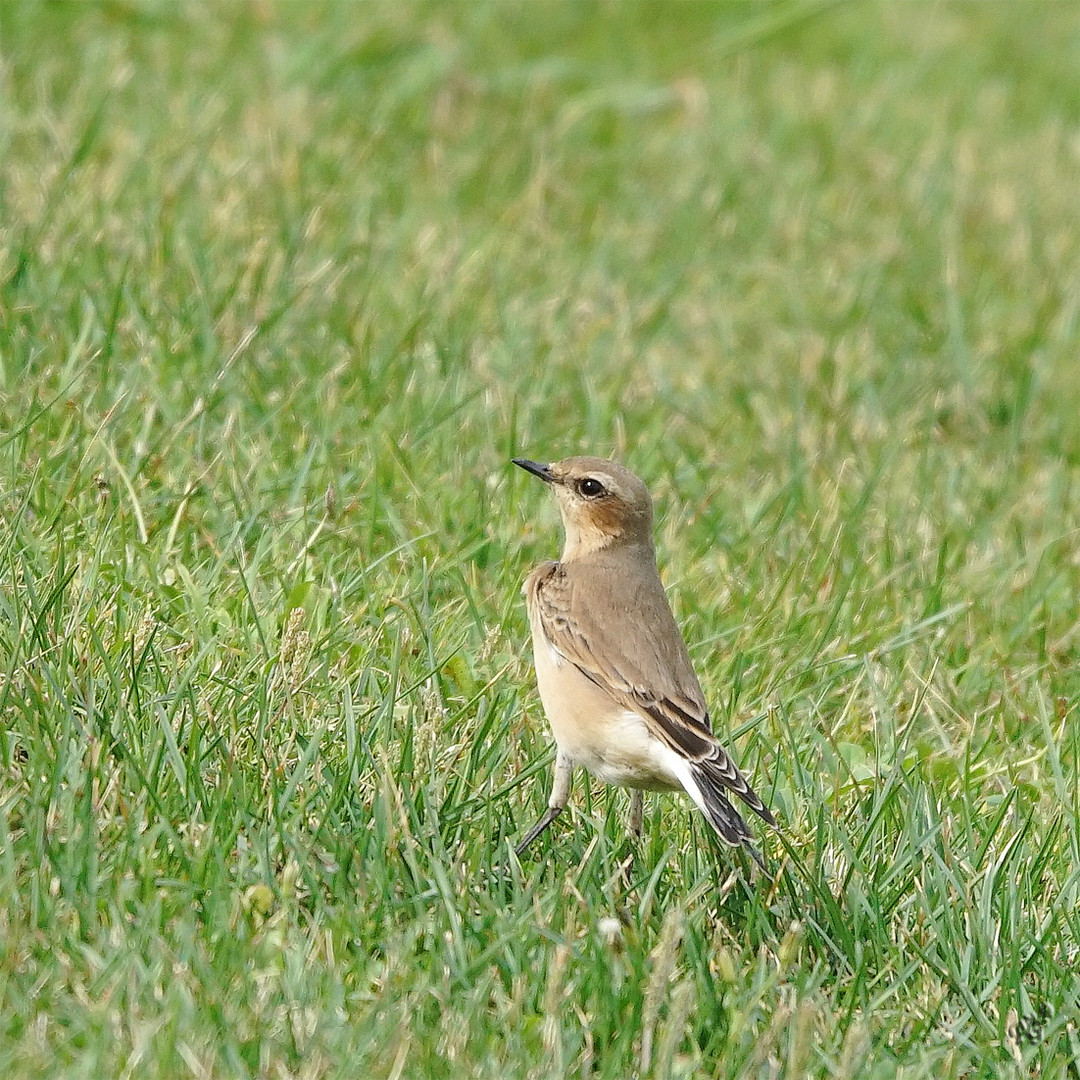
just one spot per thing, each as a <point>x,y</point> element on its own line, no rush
<point>283,288</point>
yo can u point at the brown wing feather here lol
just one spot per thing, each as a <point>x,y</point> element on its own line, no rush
<point>644,666</point>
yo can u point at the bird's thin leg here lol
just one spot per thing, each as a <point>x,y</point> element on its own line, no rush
<point>637,810</point>
<point>560,792</point>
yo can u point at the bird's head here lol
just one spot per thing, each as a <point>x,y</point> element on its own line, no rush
<point>603,505</point>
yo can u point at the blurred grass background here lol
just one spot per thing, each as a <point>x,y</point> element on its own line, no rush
<point>282,289</point>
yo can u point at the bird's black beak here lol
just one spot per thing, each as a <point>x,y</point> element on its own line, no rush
<point>536,468</point>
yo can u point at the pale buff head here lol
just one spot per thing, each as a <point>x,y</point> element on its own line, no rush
<point>603,505</point>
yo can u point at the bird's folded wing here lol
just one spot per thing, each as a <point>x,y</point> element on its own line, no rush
<point>639,658</point>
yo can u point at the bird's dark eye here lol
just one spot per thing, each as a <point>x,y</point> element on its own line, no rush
<point>590,488</point>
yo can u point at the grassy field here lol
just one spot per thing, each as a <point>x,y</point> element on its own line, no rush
<point>282,289</point>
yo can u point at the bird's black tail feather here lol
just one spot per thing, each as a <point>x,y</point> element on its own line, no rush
<point>723,817</point>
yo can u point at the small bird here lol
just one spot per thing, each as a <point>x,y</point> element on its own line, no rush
<point>614,675</point>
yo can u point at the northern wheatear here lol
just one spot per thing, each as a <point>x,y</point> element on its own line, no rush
<point>613,672</point>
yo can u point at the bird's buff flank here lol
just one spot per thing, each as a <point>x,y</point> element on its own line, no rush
<point>613,672</point>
